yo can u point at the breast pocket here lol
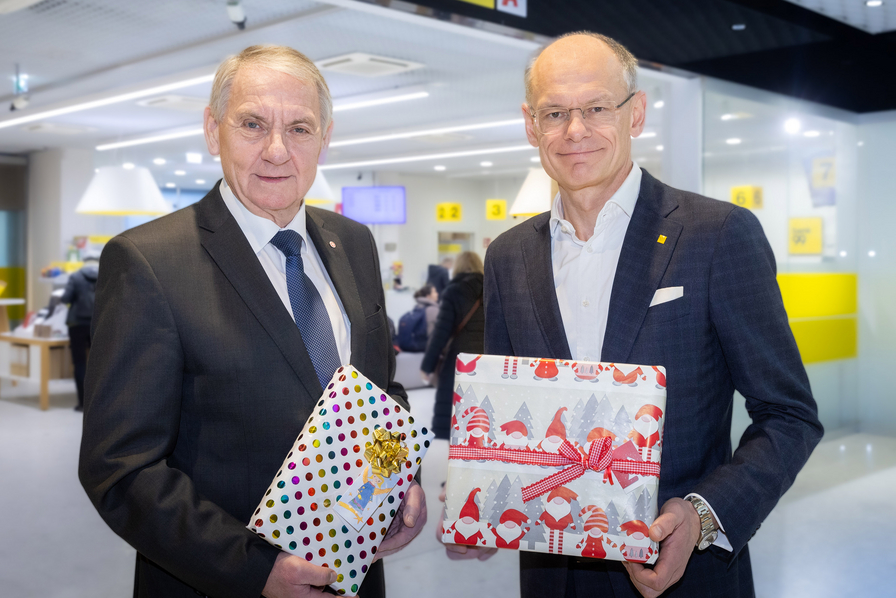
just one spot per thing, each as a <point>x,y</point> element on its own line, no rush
<point>668,311</point>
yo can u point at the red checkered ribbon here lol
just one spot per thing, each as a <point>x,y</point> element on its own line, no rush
<point>599,458</point>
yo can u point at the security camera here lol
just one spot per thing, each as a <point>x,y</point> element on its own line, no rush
<point>19,103</point>
<point>236,13</point>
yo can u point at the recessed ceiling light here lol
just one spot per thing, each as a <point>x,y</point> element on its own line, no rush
<point>45,114</point>
<point>159,161</point>
<point>423,157</point>
<point>485,164</point>
<point>659,148</point>
<point>733,141</point>
<point>426,132</point>
<point>728,117</point>
<point>738,27</point>
<point>217,158</point>
<point>170,185</point>
<point>811,134</point>
<point>200,181</point>
<point>659,104</point>
<point>194,158</point>
<point>874,3</point>
<point>535,159</point>
<point>793,125</point>
<point>180,172</point>
<point>861,143</point>
<point>149,139</point>
<point>872,253</point>
<point>843,253</point>
<point>128,166</point>
<point>379,101</point>
<point>646,135</point>
<point>440,168</point>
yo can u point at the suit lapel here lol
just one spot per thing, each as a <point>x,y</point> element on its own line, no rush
<point>642,263</point>
<point>332,254</point>
<point>225,242</point>
<point>539,268</point>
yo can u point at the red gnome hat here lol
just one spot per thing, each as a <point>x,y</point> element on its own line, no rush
<point>563,492</point>
<point>456,398</point>
<point>515,516</point>
<point>557,428</point>
<point>515,426</point>
<point>478,419</point>
<point>651,410</point>
<point>596,518</point>
<point>600,433</point>
<point>470,509</point>
<point>631,527</point>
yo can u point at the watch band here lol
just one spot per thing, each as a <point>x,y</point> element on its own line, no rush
<point>709,531</point>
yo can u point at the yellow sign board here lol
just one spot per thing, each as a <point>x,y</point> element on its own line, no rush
<point>496,209</point>
<point>747,196</point>
<point>449,212</point>
<point>824,172</point>
<point>485,3</point>
<point>805,236</point>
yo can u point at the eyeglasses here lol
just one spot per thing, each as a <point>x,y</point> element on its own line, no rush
<point>598,114</point>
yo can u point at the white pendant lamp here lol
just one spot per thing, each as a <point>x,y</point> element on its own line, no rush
<point>534,196</point>
<point>119,191</point>
<point>320,191</point>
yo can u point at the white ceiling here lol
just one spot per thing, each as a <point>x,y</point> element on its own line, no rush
<point>873,19</point>
<point>74,50</point>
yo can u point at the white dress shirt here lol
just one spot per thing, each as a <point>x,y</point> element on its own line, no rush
<point>259,232</point>
<point>584,272</point>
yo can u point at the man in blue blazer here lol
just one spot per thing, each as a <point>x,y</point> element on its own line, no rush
<point>626,269</point>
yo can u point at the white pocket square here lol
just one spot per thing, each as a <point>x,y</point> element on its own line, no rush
<point>666,295</point>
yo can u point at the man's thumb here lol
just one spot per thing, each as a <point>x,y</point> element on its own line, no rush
<point>662,527</point>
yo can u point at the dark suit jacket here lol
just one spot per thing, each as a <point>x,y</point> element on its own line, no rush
<point>437,276</point>
<point>199,384</point>
<point>729,331</point>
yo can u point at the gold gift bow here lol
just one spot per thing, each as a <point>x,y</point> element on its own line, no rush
<point>387,454</point>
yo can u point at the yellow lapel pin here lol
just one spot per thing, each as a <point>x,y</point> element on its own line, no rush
<point>661,240</point>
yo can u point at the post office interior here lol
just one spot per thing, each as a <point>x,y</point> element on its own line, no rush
<point>780,107</point>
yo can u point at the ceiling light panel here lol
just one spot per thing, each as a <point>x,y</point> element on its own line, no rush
<point>366,65</point>
<point>856,13</point>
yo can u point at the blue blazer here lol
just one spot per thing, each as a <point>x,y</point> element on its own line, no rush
<point>729,331</point>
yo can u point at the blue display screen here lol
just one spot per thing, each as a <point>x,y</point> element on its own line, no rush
<point>375,205</point>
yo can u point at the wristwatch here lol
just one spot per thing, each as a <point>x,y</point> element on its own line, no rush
<point>709,530</point>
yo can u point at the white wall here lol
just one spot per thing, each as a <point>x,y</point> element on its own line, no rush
<point>877,275</point>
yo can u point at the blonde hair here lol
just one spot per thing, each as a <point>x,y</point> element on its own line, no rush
<point>277,58</point>
<point>468,261</point>
<point>626,59</point>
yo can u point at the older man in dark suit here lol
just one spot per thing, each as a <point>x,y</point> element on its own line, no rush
<point>626,269</point>
<point>215,329</point>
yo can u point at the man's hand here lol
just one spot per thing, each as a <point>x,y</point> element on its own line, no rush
<point>677,528</point>
<point>460,552</point>
<point>408,522</point>
<point>294,577</point>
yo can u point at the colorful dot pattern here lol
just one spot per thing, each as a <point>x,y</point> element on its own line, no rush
<point>327,459</point>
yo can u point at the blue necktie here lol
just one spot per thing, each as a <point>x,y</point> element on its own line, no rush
<point>308,308</point>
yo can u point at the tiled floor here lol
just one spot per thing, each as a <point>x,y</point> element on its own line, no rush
<point>830,536</point>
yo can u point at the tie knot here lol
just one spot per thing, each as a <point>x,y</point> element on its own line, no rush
<point>289,242</point>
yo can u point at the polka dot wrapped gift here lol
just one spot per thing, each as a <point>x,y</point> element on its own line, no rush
<point>342,483</point>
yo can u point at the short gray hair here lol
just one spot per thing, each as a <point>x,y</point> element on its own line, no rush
<point>626,59</point>
<point>277,58</point>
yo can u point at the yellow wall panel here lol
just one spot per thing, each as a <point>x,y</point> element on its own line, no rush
<point>15,289</point>
<point>826,340</point>
<point>819,295</point>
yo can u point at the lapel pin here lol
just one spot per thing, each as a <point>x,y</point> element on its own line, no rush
<point>661,240</point>
<point>333,245</point>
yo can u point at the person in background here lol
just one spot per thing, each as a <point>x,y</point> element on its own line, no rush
<point>457,303</point>
<point>428,298</point>
<point>439,275</point>
<point>79,295</point>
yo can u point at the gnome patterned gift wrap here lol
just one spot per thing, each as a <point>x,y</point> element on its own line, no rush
<point>548,464</point>
<point>342,483</point>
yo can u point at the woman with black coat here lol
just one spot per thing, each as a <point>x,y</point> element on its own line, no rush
<point>456,303</point>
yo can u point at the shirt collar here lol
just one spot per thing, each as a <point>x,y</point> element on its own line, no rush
<point>259,231</point>
<point>625,198</point>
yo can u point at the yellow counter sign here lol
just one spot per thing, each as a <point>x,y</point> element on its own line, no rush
<point>449,212</point>
<point>496,209</point>
<point>747,196</point>
<point>805,236</point>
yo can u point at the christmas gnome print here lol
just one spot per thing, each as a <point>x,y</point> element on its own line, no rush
<point>549,464</point>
